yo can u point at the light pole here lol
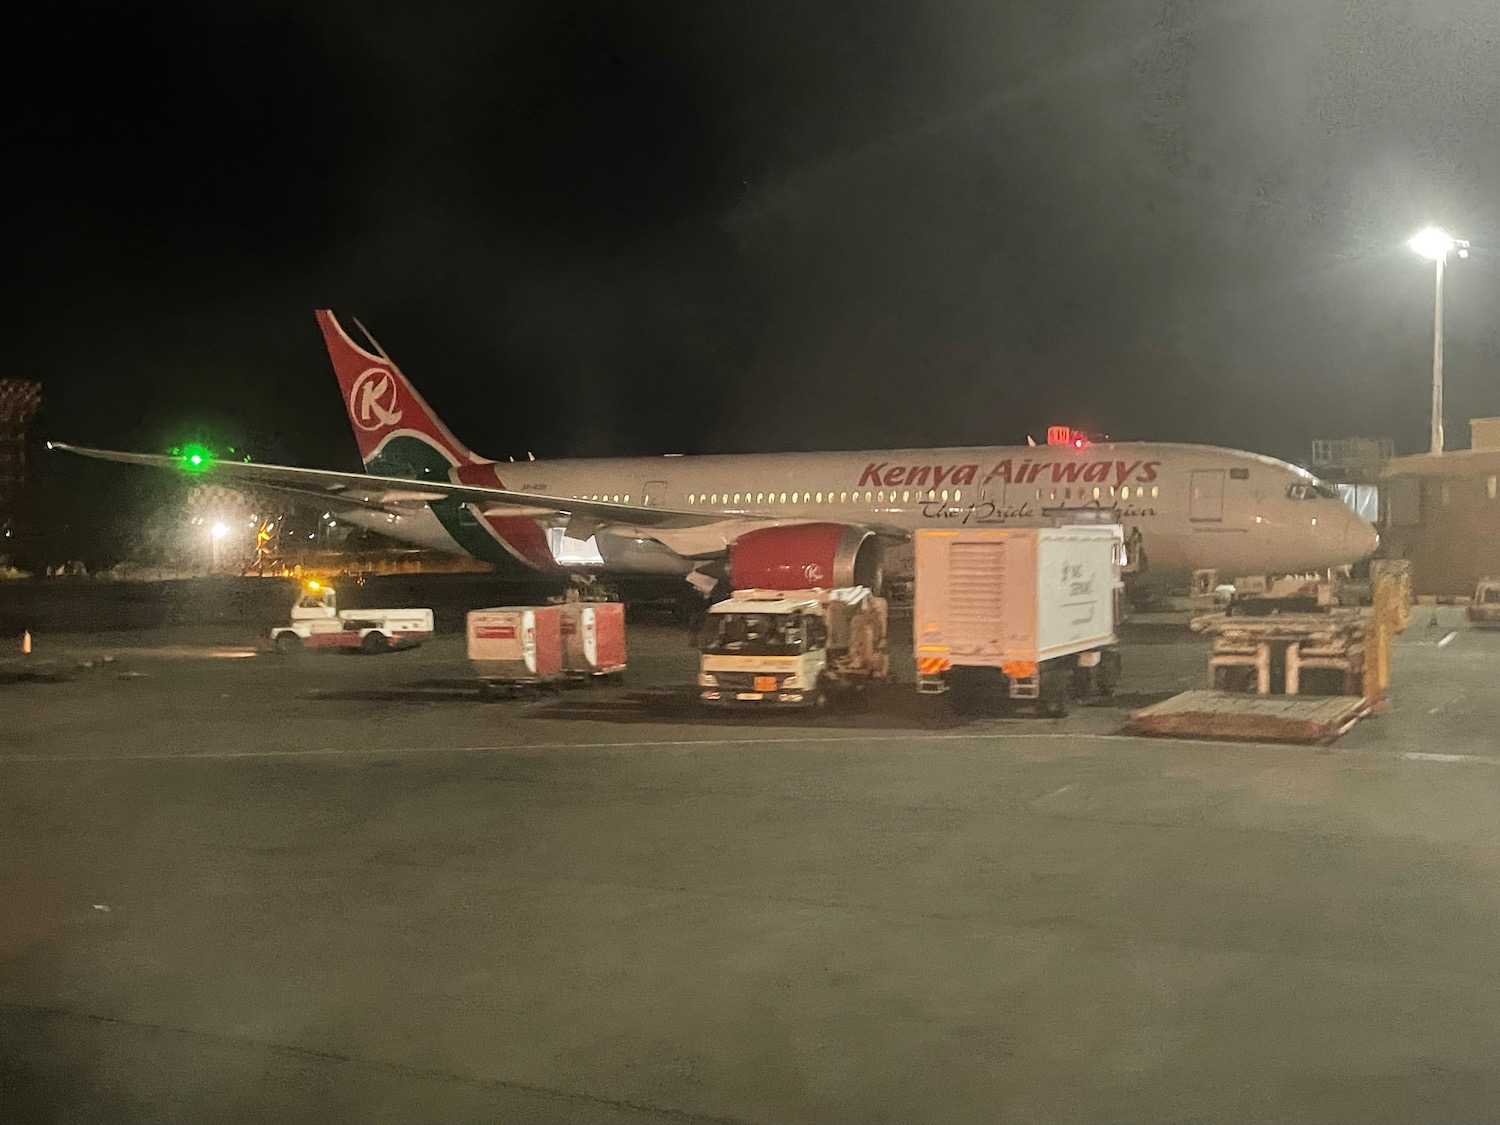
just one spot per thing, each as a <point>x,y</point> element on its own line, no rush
<point>1435,244</point>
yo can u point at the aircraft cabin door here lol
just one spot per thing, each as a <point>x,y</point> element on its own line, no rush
<point>654,491</point>
<point>1207,500</point>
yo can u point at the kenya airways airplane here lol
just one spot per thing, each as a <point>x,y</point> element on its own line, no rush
<point>793,519</point>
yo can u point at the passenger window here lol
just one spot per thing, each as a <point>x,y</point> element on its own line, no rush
<point>1492,488</point>
<point>1156,491</point>
<point>783,497</point>
<point>868,497</point>
<point>820,498</point>
<point>906,496</point>
<point>880,496</point>
<point>627,498</point>
<point>1125,492</point>
<point>736,497</point>
<point>958,494</point>
<point>1097,492</point>
<point>843,498</point>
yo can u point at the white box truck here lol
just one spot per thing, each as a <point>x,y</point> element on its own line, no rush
<point>792,647</point>
<point>1018,613</point>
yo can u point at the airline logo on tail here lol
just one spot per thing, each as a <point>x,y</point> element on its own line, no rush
<point>374,400</point>
<point>384,407</point>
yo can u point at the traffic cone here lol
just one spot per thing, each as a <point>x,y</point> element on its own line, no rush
<point>26,643</point>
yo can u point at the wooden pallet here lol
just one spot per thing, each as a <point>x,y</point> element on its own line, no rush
<point>1234,716</point>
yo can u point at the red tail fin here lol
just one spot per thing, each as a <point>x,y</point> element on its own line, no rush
<point>381,401</point>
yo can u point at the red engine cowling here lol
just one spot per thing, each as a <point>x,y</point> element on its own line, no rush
<point>807,555</point>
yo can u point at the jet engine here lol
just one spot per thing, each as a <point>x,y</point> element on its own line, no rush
<point>807,555</point>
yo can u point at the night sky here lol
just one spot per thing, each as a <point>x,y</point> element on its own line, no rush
<point>699,227</point>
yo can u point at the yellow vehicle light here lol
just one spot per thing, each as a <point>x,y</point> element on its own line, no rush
<point>1017,669</point>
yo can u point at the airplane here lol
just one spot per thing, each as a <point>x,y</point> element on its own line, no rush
<point>790,520</point>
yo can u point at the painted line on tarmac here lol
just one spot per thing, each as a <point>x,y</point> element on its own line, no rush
<point>1419,756</point>
<point>648,744</point>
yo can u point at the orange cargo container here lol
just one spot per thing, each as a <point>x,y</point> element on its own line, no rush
<point>593,638</point>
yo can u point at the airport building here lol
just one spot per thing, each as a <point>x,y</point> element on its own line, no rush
<point>1443,513</point>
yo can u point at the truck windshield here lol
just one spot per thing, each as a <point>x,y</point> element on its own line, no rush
<point>753,634</point>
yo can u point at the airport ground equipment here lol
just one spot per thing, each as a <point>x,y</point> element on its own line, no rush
<point>792,647</point>
<point>318,623</point>
<point>1249,653</point>
<point>1484,609</point>
<point>593,638</point>
<point>516,646</point>
<point>1271,653</point>
<point>1018,613</point>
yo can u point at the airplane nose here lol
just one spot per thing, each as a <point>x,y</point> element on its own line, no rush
<point>1360,537</point>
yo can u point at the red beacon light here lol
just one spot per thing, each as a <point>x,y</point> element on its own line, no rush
<point>1065,435</point>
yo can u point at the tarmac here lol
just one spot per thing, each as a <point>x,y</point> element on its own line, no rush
<point>243,888</point>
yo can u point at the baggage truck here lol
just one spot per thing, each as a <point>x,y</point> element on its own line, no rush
<point>593,635</point>
<point>318,623</point>
<point>792,647</point>
<point>516,645</point>
<point>1018,613</point>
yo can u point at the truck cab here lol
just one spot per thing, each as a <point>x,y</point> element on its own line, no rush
<point>791,647</point>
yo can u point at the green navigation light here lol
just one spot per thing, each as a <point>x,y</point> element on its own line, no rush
<point>195,458</point>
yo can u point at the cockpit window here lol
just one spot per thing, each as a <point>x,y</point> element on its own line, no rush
<point>1310,490</point>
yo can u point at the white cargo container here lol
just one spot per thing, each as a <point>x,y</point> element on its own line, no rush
<point>1017,612</point>
<point>516,644</point>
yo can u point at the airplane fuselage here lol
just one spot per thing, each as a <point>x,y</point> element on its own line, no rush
<point>1195,507</point>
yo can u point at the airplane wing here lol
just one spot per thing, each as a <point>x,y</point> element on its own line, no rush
<point>376,491</point>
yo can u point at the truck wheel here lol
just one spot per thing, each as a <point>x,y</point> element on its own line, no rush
<point>288,644</point>
<point>1107,675</point>
<point>1085,683</point>
<point>1052,695</point>
<point>374,643</point>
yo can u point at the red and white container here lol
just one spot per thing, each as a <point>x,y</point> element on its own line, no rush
<point>593,638</point>
<point>517,645</point>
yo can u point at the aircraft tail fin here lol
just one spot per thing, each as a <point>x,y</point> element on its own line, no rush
<point>397,431</point>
